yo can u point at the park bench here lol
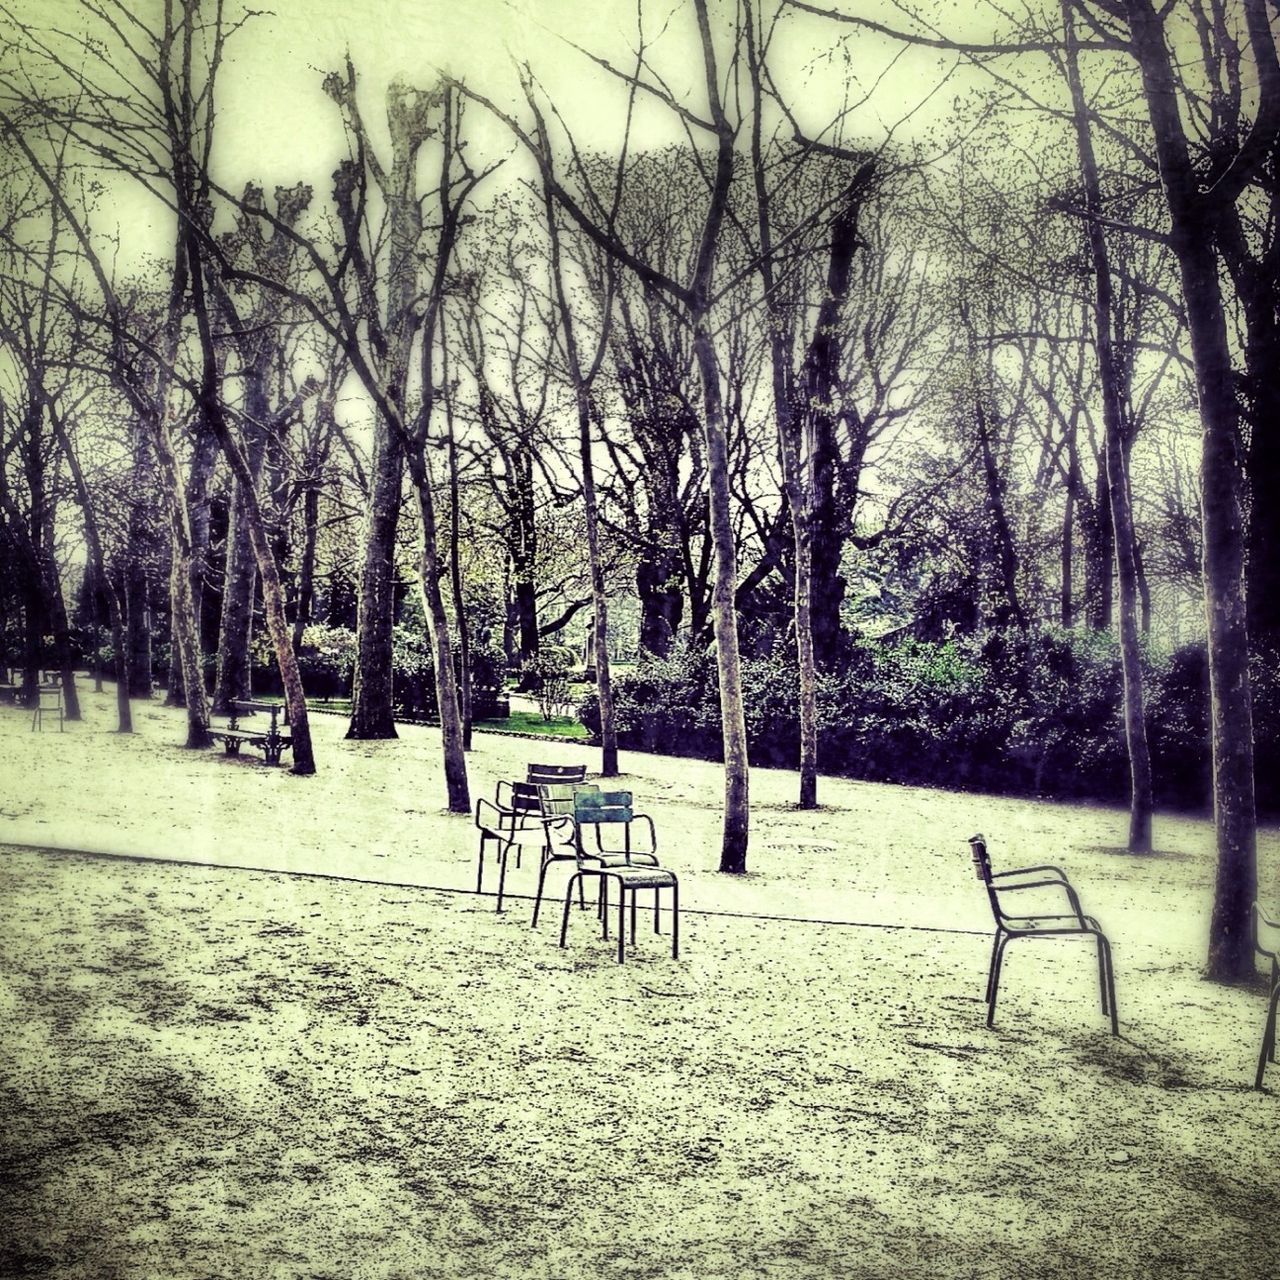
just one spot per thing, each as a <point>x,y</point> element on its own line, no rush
<point>1051,881</point>
<point>270,741</point>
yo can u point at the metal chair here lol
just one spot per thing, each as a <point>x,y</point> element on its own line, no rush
<point>632,869</point>
<point>558,798</point>
<point>48,703</point>
<point>516,817</point>
<point>514,825</point>
<point>1008,927</point>
<point>1268,1052</point>
<point>544,775</point>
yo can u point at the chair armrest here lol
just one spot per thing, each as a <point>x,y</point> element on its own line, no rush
<point>1036,870</point>
<point>653,832</point>
<point>561,824</point>
<point>1263,921</point>
<point>1072,896</point>
<point>497,794</point>
<point>500,814</point>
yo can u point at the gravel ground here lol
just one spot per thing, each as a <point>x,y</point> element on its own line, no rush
<point>297,1071</point>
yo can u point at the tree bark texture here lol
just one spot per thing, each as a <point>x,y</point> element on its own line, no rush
<point>371,696</point>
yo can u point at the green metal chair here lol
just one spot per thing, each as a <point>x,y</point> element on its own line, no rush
<point>1008,926</point>
<point>1272,952</point>
<point>621,846</point>
<point>612,854</point>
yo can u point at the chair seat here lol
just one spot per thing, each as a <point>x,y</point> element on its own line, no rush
<point>638,877</point>
<point>642,861</point>
<point>538,835</point>
<point>1051,924</point>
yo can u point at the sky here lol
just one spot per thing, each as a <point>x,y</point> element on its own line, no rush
<point>276,125</point>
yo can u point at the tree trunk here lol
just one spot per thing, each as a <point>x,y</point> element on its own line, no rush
<point>599,598</point>
<point>371,696</point>
<point>185,636</point>
<point>733,724</point>
<point>455,760</point>
<point>526,605</point>
<point>307,570</point>
<point>661,603</point>
<point>138,640</point>
<point>204,457</point>
<point>455,569</point>
<point>1263,383</point>
<point>1141,802</point>
<point>93,540</point>
<point>1066,570</point>
<point>1000,533</point>
<point>1099,555</point>
<point>240,579</point>
<point>1193,216</point>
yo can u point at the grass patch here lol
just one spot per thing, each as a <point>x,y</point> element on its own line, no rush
<point>516,722</point>
<point>532,722</point>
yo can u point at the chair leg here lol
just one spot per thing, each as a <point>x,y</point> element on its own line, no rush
<point>991,966</point>
<point>1107,981</point>
<point>480,866</point>
<point>675,919</point>
<point>568,901</point>
<point>657,910</point>
<point>502,872</point>
<point>996,965</point>
<point>537,901</point>
<point>633,917</point>
<point>602,906</point>
<point>1268,1037</point>
<point>622,919</point>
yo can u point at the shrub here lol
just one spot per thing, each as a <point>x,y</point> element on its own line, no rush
<point>546,676</point>
<point>1037,711</point>
<point>326,660</point>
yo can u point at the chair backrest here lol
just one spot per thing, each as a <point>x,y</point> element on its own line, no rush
<point>595,807</point>
<point>556,798</point>
<point>548,773</point>
<point>982,868</point>
<point>981,859</point>
<point>525,798</point>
